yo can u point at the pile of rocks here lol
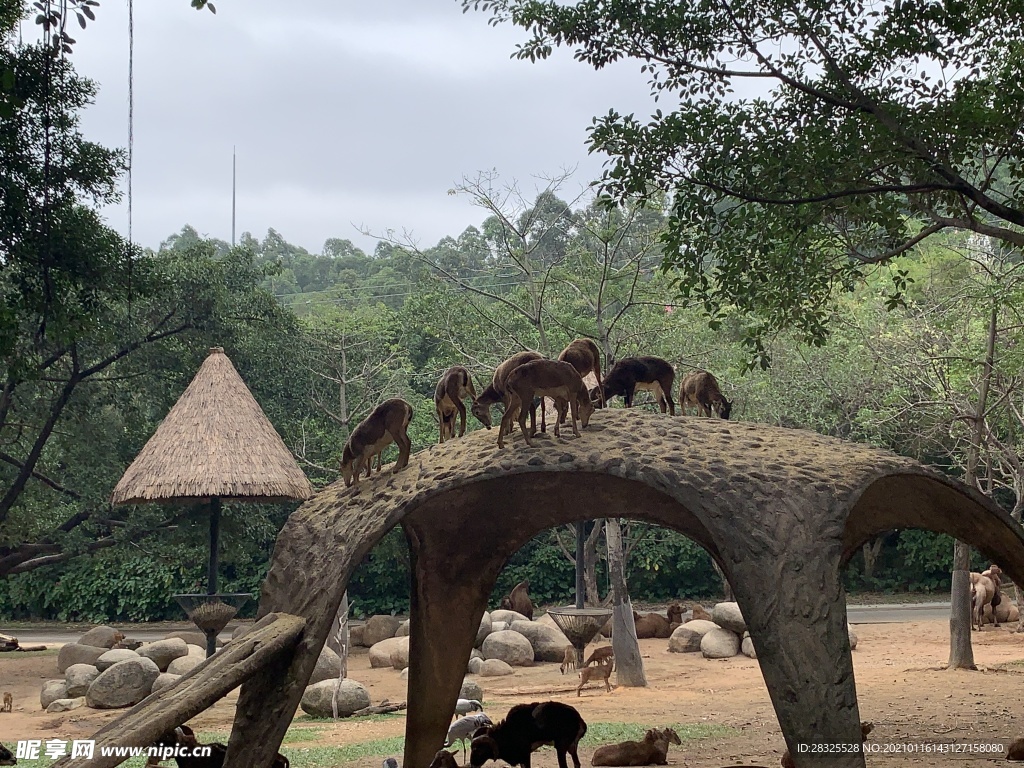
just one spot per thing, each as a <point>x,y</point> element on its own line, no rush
<point>98,675</point>
<point>505,640</point>
<point>723,637</point>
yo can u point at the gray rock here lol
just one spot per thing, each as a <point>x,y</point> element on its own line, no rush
<point>163,652</point>
<point>100,637</point>
<point>52,690</point>
<point>728,616</point>
<point>720,643</point>
<point>110,658</point>
<point>471,690</point>
<point>484,631</point>
<point>853,637</point>
<point>747,648</point>
<point>400,656</point>
<point>548,642</point>
<point>355,635</point>
<point>494,668</point>
<point>194,638</point>
<point>195,650</point>
<point>185,664</point>
<point>475,654</point>
<point>164,680</point>
<point>404,674</point>
<point>474,665</point>
<point>403,629</point>
<point>78,678</point>
<point>317,700</point>
<point>73,653</point>
<point>380,653</point>
<point>509,646</point>
<point>123,685</point>
<point>66,705</point>
<point>239,631</point>
<point>328,667</point>
<point>686,637</point>
<point>501,617</point>
<point>379,628</point>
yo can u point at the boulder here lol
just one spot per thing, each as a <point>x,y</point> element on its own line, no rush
<point>110,658</point>
<point>494,668</point>
<point>52,690</point>
<point>471,690</point>
<point>163,652</point>
<point>380,653</point>
<point>747,648</point>
<point>239,631</point>
<point>318,698</point>
<point>195,650</point>
<point>355,635</point>
<point>66,705</point>
<point>501,617</point>
<point>686,638</point>
<point>509,646</point>
<point>78,678</point>
<point>194,638</point>
<point>474,665</point>
<point>400,656</point>
<point>728,616</point>
<point>123,685</point>
<point>403,629</point>
<point>720,643</point>
<point>404,675</point>
<point>185,664</point>
<point>547,621</point>
<point>485,629</point>
<point>73,653</point>
<point>853,637</point>
<point>548,642</point>
<point>100,637</point>
<point>328,667</point>
<point>163,680</point>
<point>379,628</point>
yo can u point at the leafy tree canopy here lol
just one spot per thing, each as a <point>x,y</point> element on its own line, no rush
<point>876,126</point>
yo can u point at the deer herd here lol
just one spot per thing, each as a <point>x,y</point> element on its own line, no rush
<point>520,384</point>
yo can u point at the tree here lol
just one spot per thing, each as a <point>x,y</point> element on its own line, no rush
<point>877,127</point>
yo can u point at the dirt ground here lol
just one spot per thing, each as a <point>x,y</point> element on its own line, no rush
<point>901,686</point>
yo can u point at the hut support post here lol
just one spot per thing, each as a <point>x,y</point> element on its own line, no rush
<point>580,554</point>
<point>211,577</point>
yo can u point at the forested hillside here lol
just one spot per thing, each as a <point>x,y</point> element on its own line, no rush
<point>322,338</point>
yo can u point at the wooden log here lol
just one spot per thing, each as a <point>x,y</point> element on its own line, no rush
<point>28,648</point>
<point>380,709</point>
<point>271,640</point>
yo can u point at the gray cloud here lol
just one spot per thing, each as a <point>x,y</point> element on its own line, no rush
<point>357,114</point>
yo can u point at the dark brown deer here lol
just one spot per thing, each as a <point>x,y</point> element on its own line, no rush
<point>388,424</point>
<point>496,393</point>
<point>585,357</point>
<point>528,727</point>
<point>699,390</point>
<point>641,373</point>
<point>545,378</point>
<point>449,393</point>
<point>653,750</point>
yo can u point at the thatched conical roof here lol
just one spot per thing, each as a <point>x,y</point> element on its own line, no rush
<point>215,441</point>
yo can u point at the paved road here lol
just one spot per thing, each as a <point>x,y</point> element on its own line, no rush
<point>858,614</point>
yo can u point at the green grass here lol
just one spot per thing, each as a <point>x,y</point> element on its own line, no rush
<point>12,655</point>
<point>362,719</point>
<point>315,757</point>
<point>612,733</point>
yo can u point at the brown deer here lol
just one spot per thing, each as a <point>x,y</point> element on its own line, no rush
<point>699,389</point>
<point>519,599</point>
<point>545,378</point>
<point>647,373</point>
<point>8,703</point>
<point>449,393</point>
<point>496,391</point>
<point>599,672</point>
<point>600,655</point>
<point>653,750</point>
<point>585,357</point>
<point>571,660</point>
<point>388,424</point>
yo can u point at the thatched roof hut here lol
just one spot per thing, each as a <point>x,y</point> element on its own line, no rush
<point>215,442</point>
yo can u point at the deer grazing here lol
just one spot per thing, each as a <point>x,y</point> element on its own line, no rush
<point>585,357</point>
<point>454,386</point>
<point>496,391</point>
<point>635,373</point>
<point>699,389</point>
<point>8,705</point>
<point>545,378</point>
<point>388,424</point>
<point>600,671</point>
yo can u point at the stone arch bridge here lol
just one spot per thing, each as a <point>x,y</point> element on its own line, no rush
<point>780,510</point>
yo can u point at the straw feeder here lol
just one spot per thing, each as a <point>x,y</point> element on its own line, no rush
<point>215,443</point>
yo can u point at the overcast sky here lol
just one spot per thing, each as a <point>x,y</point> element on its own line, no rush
<point>346,115</point>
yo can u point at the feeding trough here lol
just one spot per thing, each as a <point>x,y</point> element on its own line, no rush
<point>580,625</point>
<point>211,613</point>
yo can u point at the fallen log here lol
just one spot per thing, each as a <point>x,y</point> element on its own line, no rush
<point>381,709</point>
<point>28,648</point>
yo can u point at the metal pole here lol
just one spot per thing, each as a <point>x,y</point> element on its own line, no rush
<point>233,165</point>
<point>211,577</point>
<point>580,588</point>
